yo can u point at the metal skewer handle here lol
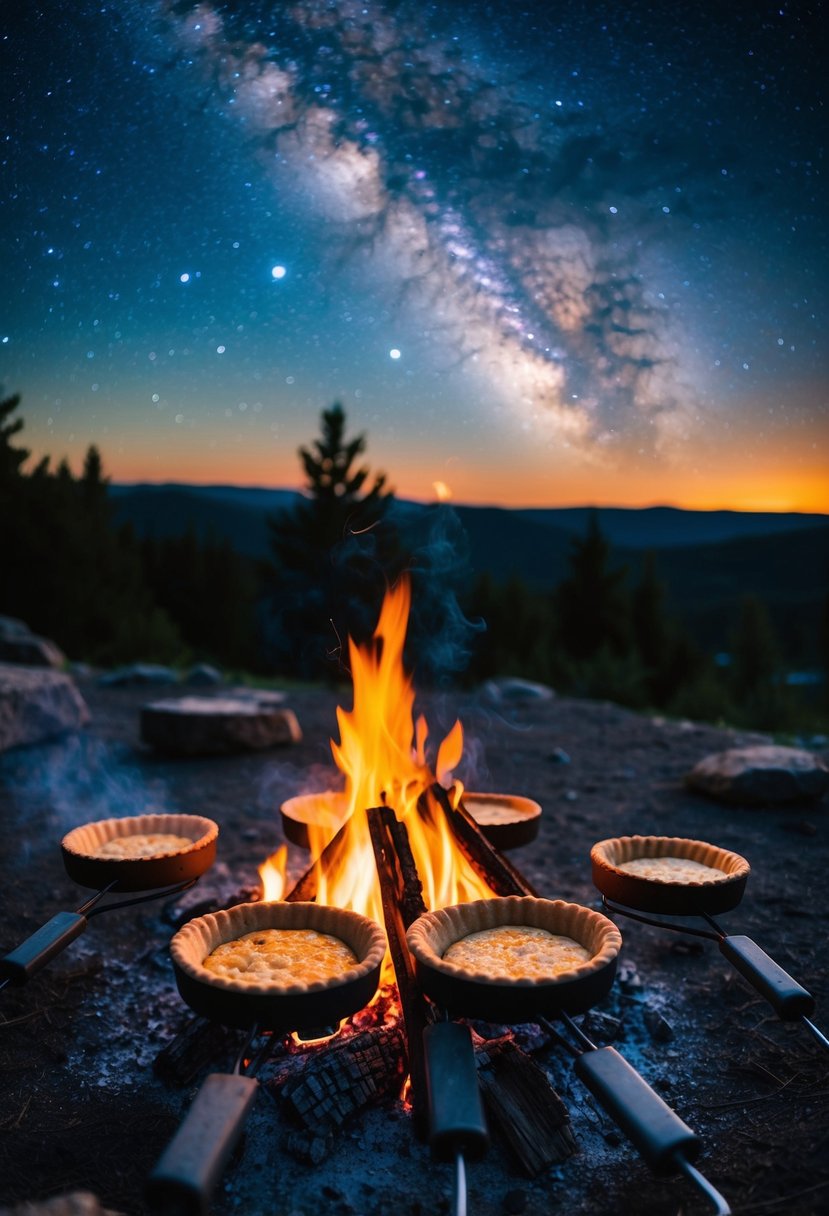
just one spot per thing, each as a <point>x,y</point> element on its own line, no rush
<point>191,1165</point>
<point>457,1126</point>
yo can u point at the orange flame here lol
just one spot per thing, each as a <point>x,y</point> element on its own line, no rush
<point>382,753</point>
<point>272,872</point>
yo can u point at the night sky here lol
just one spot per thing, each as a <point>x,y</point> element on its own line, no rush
<point>545,254</point>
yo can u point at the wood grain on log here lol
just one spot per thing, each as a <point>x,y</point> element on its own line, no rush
<point>522,1104</point>
<point>400,887</point>
<point>339,1079</point>
<point>198,1044</point>
<point>487,862</point>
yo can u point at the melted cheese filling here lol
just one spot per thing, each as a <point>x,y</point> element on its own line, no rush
<point>671,869</point>
<point>282,956</point>
<point>517,952</point>
<point>495,812</point>
<point>148,844</point>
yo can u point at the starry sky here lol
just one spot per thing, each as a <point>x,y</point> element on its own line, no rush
<point>544,253</point>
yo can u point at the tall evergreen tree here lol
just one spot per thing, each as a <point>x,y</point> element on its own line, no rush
<point>11,458</point>
<point>593,605</point>
<point>331,553</point>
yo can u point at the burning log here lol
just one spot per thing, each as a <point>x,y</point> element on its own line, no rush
<point>523,1105</point>
<point>198,1044</point>
<point>339,1081</point>
<point>491,865</point>
<point>402,897</point>
<point>306,887</point>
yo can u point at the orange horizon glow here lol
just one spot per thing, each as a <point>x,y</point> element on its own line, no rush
<point>766,477</point>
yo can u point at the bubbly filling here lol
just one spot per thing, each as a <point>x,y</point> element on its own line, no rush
<point>144,844</point>
<point>517,952</point>
<point>282,956</point>
<point>495,812</point>
<point>671,869</point>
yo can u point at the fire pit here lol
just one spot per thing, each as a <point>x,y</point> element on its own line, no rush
<point>744,1082</point>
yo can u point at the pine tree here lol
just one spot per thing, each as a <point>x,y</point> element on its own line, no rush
<point>331,554</point>
<point>593,606</point>
<point>756,667</point>
<point>11,458</point>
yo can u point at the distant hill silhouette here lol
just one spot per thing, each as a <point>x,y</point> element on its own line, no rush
<point>707,559</point>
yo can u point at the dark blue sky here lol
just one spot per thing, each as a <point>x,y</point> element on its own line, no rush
<point>542,253</point>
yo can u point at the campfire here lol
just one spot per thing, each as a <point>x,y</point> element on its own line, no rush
<point>383,754</point>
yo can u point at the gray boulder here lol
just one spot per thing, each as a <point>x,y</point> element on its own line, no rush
<point>37,703</point>
<point>750,776</point>
<point>138,674</point>
<point>19,645</point>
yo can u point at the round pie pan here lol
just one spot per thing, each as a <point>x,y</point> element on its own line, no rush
<point>79,848</point>
<point>476,995</point>
<point>327,810</point>
<point>270,1005</point>
<point>671,898</point>
<point>518,818</point>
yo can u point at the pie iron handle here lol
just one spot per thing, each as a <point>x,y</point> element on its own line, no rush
<point>191,1165</point>
<point>649,1123</point>
<point>35,952</point>
<point>788,998</point>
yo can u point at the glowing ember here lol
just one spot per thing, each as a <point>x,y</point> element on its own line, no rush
<point>383,754</point>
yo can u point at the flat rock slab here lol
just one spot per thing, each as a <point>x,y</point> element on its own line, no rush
<point>37,703</point>
<point>216,726</point>
<point>750,776</point>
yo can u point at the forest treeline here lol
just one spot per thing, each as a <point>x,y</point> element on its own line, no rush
<point>107,596</point>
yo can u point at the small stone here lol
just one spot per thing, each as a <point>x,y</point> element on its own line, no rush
<point>203,675</point>
<point>559,756</point>
<point>515,1202</point>
<point>658,1026</point>
<point>751,776</point>
<point>571,796</point>
<point>629,976</point>
<point>137,674</point>
<point>685,948</point>
<point>601,1026</point>
<point>510,688</point>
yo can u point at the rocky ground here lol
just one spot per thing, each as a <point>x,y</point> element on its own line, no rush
<point>80,1107</point>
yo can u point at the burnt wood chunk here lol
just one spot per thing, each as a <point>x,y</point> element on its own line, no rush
<point>484,858</point>
<point>523,1106</point>
<point>400,887</point>
<point>198,1044</point>
<point>340,1079</point>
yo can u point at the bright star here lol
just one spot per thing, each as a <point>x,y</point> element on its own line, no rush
<point>394,353</point>
<point>278,272</point>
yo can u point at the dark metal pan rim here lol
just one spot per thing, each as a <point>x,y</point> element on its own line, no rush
<point>433,933</point>
<point>192,944</point>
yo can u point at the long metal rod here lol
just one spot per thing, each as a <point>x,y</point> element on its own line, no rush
<point>663,924</point>
<point>721,1206</point>
<point>460,1185</point>
<point>819,1035</point>
<point>139,899</point>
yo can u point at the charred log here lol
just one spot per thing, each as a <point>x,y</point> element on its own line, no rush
<point>491,865</point>
<point>523,1106</point>
<point>198,1044</point>
<point>306,887</point>
<point>400,888</point>
<point>339,1081</point>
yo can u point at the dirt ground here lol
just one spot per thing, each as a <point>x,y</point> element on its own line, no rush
<point>80,1106</point>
